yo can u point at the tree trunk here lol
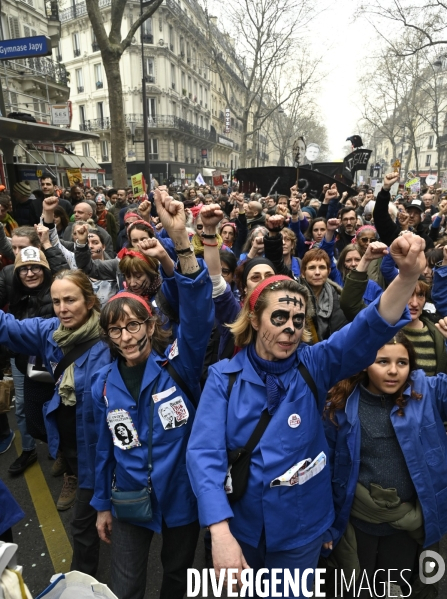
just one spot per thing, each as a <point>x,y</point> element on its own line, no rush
<point>117,122</point>
<point>243,154</point>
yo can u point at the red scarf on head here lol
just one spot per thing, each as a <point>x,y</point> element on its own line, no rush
<point>102,219</point>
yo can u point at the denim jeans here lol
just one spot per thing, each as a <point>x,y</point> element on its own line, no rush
<point>130,552</point>
<point>289,559</point>
<point>28,443</point>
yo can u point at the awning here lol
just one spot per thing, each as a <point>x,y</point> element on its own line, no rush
<point>207,172</point>
<point>12,129</point>
<point>85,163</point>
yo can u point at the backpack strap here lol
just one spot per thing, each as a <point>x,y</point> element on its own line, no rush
<point>73,355</point>
<point>180,382</point>
<point>231,380</point>
<point>308,379</point>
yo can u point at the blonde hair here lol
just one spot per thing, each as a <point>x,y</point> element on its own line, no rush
<point>242,327</point>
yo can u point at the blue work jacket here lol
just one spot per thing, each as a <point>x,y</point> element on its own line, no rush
<point>291,516</point>
<point>34,336</point>
<point>172,496</point>
<point>423,441</point>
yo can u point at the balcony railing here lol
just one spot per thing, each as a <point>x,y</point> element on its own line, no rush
<point>95,124</point>
<point>172,122</point>
<point>76,52</point>
<point>79,10</point>
<point>40,67</point>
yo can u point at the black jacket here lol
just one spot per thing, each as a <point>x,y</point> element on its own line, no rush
<point>388,230</point>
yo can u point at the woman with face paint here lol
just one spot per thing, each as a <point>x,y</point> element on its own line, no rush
<point>138,394</point>
<point>387,446</point>
<point>287,468</point>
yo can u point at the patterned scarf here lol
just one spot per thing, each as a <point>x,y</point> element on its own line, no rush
<point>268,373</point>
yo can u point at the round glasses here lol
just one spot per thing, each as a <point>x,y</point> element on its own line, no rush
<point>35,269</point>
<point>131,327</point>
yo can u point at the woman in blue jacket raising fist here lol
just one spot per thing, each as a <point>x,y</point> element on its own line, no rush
<point>284,516</point>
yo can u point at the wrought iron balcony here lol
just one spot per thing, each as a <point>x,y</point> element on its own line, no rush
<point>39,67</point>
<point>95,124</point>
<point>171,122</point>
<point>79,10</point>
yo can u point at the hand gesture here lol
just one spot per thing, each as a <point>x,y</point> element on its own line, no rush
<point>403,218</point>
<point>407,251</point>
<point>211,216</point>
<point>275,223</point>
<point>294,191</point>
<point>375,250</point>
<point>333,224</point>
<point>325,187</point>
<point>104,526</point>
<point>240,201</point>
<point>145,209</point>
<point>344,195</point>
<point>170,211</point>
<point>304,197</point>
<point>282,210</point>
<point>389,180</point>
<point>331,193</point>
<point>441,325</point>
<point>295,205</point>
<point>43,233</point>
<point>151,248</point>
<point>49,204</point>
<point>82,234</point>
<point>257,247</point>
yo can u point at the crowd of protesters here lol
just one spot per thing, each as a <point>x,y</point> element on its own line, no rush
<point>272,369</point>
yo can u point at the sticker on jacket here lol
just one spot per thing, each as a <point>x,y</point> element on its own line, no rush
<point>123,430</point>
<point>228,484</point>
<point>174,350</point>
<point>301,472</point>
<point>173,413</point>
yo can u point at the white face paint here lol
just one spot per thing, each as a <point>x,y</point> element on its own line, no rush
<point>281,326</point>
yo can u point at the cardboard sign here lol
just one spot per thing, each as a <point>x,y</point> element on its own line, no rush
<point>138,186</point>
<point>74,176</point>
<point>217,178</point>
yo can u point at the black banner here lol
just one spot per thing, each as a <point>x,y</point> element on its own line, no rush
<point>356,161</point>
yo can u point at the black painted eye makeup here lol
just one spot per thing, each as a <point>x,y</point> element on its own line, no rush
<point>298,321</point>
<point>278,318</point>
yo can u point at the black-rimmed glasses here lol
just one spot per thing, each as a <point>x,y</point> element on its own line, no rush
<point>131,327</point>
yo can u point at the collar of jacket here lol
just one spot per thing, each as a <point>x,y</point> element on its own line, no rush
<point>240,362</point>
<point>352,404</point>
<point>151,372</point>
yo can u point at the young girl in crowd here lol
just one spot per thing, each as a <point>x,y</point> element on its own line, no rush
<point>387,447</point>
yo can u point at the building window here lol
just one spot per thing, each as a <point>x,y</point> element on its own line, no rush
<point>86,148</point>
<point>76,44</point>
<point>430,141</point>
<point>105,150</point>
<point>171,38</point>
<point>153,148</point>
<point>149,66</point>
<point>95,45</point>
<point>79,80</point>
<point>172,76</point>
<point>98,76</point>
<point>100,110</point>
<point>14,28</point>
<point>428,160</point>
<point>82,115</point>
<point>146,30</point>
<point>182,47</point>
<point>151,104</point>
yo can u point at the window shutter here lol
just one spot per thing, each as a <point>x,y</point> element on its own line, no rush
<point>14,29</point>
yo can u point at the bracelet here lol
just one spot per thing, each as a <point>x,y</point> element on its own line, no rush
<point>205,236</point>
<point>210,245</point>
<point>187,250</point>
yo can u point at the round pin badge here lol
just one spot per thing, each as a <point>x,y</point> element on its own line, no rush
<point>294,420</point>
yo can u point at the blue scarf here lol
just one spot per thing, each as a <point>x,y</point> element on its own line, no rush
<point>267,372</point>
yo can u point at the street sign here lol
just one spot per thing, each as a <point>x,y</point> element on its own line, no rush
<point>25,47</point>
<point>60,114</point>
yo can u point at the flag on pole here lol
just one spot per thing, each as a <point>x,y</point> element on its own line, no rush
<point>200,180</point>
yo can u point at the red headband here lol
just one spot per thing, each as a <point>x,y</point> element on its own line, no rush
<point>126,252</point>
<point>131,215</point>
<point>140,221</point>
<point>132,296</point>
<point>229,225</point>
<point>260,288</point>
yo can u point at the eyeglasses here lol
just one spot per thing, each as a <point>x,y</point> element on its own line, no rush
<point>226,271</point>
<point>199,227</point>
<point>131,327</point>
<point>366,239</point>
<point>35,269</point>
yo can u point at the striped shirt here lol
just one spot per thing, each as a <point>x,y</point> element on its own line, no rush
<point>424,347</point>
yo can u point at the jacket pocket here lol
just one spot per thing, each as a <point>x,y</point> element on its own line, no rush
<point>433,450</point>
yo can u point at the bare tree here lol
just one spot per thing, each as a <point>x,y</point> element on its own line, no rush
<point>267,41</point>
<point>112,47</point>
<point>414,25</point>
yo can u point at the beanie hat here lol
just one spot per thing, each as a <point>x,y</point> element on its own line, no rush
<point>31,255</point>
<point>310,210</point>
<point>23,188</point>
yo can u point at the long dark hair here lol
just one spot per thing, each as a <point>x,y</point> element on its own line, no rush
<point>338,395</point>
